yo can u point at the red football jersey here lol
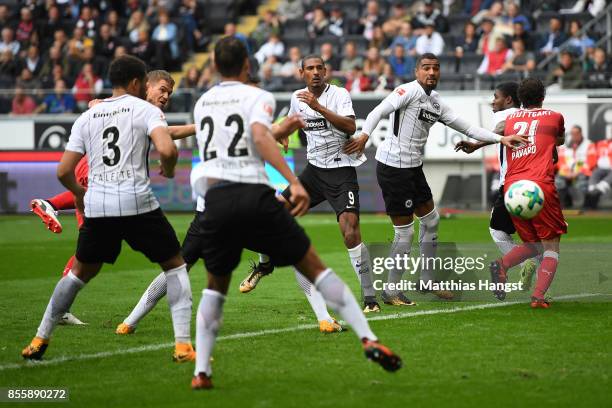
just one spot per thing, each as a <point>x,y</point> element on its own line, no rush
<point>535,160</point>
<point>82,172</point>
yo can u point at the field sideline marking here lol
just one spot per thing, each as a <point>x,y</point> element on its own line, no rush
<point>154,347</point>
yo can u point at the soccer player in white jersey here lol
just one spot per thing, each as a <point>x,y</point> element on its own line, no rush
<point>414,108</point>
<point>331,176</point>
<point>501,228</point>
<point>234,121</point>
<point>118,203</point>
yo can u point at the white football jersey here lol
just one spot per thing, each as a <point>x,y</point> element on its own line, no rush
<point>500,116</point>
<point>415,113</point>
<point>324,141</point>
<point>223,118</point>
<point>115,136</point>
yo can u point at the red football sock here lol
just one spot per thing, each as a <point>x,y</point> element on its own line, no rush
<point>546,273</point>
<point>518,254</point>
<point>63,201</point>
<point>68,266</point>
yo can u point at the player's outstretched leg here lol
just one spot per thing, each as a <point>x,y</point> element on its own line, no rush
<point>500,267</point>
<point>62,298</point>
<point>156,290</point>
<point>47,214</point>
<point>258,270</point>
<point>402,240</point>
<point>546,274</point>
<point>327,324</point>
<point>505,243</point>
<point>339,297</point>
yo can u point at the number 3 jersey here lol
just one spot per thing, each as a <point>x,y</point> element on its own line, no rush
<point>535,160</point>
<point>115,136</point>
<point>223,118</point>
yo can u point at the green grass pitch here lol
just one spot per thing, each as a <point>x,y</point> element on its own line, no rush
<point>499,356</point>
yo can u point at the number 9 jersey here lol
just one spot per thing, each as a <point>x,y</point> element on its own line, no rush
<point>223,117</point>
<point>115,136</point>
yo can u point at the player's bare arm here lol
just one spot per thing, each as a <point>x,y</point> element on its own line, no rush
<point>66,175</point>
<point>344,123</point>
<point>470,147</point>
<point>167,150</point>
<point>181,131</point>
<point>266,146</point>
<point>282,131</point>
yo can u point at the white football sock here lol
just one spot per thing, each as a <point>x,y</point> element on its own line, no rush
<point>62,298</point>
<point>155,291</point>
<point>317,303</point>
<point>264,259</point>
<point>428,242</point>
<point>402,240</point>
<point>503,240</point>
<point>208,322</point>
<point>179,299</point>
<point>360,260</point>
<point>339,297</point>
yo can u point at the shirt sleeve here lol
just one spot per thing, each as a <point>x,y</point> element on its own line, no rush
<point>155,118</point>
<point>345,104</point>
<point>400,97</point>
<point>292,105</point>
<point>447,115</point>
<point>263,110</point>
<point>76,142</point>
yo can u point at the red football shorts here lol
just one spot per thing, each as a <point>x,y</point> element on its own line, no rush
<point>548,224</point>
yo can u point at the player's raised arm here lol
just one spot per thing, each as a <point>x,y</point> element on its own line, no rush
<point>181,131</point>
<point>281,131</point>
<point>168,153</point>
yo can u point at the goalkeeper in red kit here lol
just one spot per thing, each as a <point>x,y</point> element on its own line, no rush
<point>534,161</point>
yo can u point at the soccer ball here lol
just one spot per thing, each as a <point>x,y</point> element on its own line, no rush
<point>524,199</point>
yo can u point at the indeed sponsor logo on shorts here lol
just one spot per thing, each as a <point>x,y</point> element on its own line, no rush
<point>316,124</point>
<point>427,116</point>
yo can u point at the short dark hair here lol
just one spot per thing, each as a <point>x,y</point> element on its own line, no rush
<point>510,89</point>
<point>230,55</point>
<point>531,92</point>
<point>125,69</point>
<point>427,55</point>
<point>311,56</point>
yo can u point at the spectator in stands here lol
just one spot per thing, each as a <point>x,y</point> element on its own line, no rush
<point>521,60</point>
<point>371,18</point>
<point>209,77</point>
<point>291,68</point>
<point>137,23</point>
<point>166,35</point>
<point>32,61</point>
<point>113,22</point>
<point>106,42</point>
<point>27,81</point>
<point>191,12</point>
<point>399,16</point>
<point>52,23</point>
<point>567,74</point>
<point>356,81</point>
<point>578,43</point>
<point>406,39</point>
<point>268,26</point>
<point>57,73</point>
<point>594,7</point>
<point>493,13</point>
<point>60,39</point>
<point>554,38</point>
<point>430,15</point>
<point>120,51</point>
<point>98,63</point>
<point>402,64</point>
<point>290,10</point>
<point>601,178</point>
<point>327,54</point>
<point>190,79</point>
<point>8,42</point>
<point>494,61</point>
<point>520,33</point>
<point>273,46</point>
<point>599,71</point>
<point>272,62</point>
<point>5,17</point>
<point>337,23</point>
<point>86,22</point>
<point>22,104</point>
<point>379,40</point>
<point>53,58</point>
<point>230,30</point>
<point>468,42</point>
<point>513,15</point>
<point>144,48</point>
<point>573,170</point>
<point>430,41</point>
<point>473,7</point>
<point>374,64</point>
<point>60,101</point>
<point>86,87</point>
<point>269,82</point>
<point>25,28</point>
<point>72,62</point>
<point>8,68</point>
<point>387,81</point>
<point>318,25</point>
<point>487,38</point>
<point>351,59</point>
<point>79,40</point>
